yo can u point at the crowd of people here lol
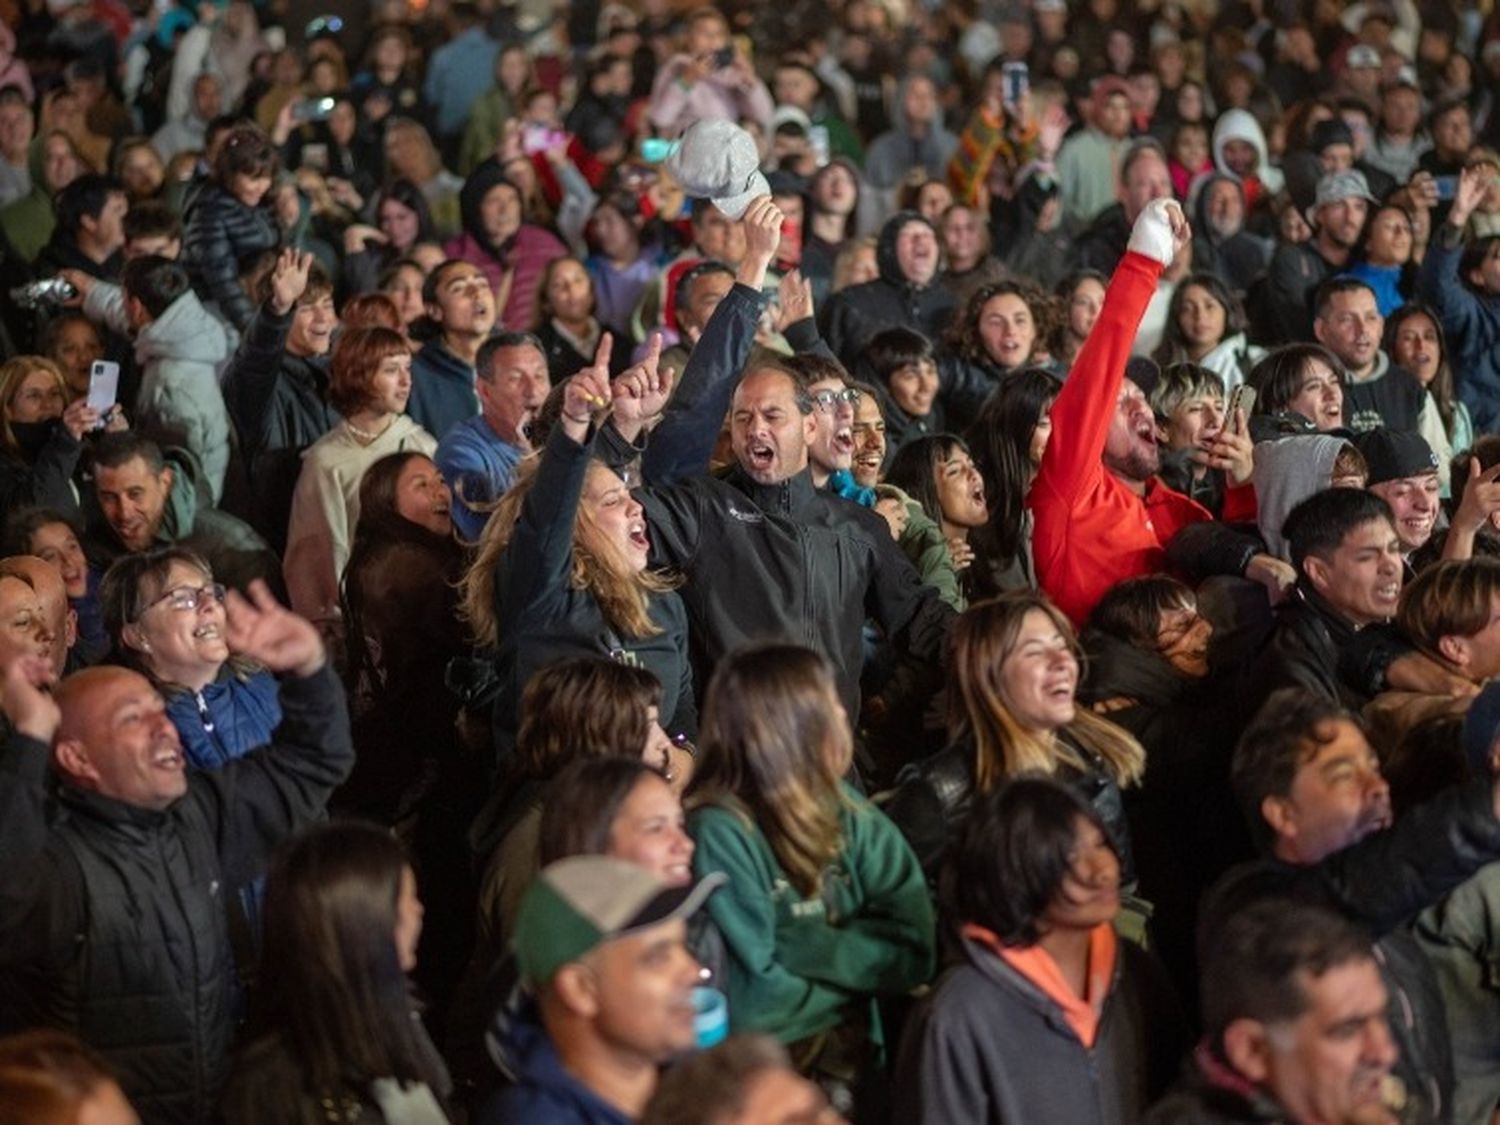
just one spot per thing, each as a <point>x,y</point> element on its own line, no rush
<point>845,560</point>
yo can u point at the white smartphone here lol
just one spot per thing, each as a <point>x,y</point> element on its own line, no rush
<point>104,387</point>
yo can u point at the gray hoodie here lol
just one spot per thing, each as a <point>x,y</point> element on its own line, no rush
<point>1287,472</point>
<point>180,354</point>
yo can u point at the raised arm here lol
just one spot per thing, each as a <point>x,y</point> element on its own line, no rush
<point>258,800</point>
<point>34,717</point>
<point>1086,404</point>
<point>535,565</point>
<point>682,445</point>
<point>1439,282</point>
<point>250,380</point>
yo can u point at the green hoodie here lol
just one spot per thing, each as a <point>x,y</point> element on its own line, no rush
<point>799,966</point>
<point>28,222</point>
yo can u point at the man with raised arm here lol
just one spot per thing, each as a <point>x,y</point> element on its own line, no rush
<point>113,920</point>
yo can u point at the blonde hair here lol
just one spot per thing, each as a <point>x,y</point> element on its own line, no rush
<point>624,596</point>
<point>13,373</point>
<point>983,639</point>
<point>774,747</point>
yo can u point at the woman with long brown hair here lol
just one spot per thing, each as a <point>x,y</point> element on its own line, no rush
<point>338,1036</point>
<point>825,908</point>
<point>1012,709</point>
<point>561,570</point>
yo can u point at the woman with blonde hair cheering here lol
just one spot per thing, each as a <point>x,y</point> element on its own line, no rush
<point>825,908</point>
<point>561,570</point>
<point>1012,709</point>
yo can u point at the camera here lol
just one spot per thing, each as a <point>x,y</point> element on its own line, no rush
<point>50,292</point>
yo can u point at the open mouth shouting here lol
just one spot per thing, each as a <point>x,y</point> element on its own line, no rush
<point>843,441</point>
<point>761,457</point>
<point>636,533</point>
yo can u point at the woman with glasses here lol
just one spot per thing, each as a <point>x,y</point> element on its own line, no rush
<point>165,616</point>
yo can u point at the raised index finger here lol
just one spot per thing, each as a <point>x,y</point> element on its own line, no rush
<point>603,351</point>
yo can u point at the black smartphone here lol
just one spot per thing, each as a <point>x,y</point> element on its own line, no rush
<point>723,57</point>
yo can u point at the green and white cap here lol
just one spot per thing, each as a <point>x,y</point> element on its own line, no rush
<point>577,904</point>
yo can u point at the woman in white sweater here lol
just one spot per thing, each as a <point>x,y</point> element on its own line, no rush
<point>369,384</point>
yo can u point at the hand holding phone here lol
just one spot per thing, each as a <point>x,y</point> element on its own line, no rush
<point>104,387</point>
<point>313,109</point>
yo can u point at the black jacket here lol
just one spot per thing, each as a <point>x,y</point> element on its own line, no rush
<point>785,561</point>
<point>43,473</point>
<point>1102,243</point>
<point>543,618</point>
<point>221,235</point>
<point>852,316</point>
<point>1312,647</point>
<point>1211,1093</point>
<point>933,797</point>
<point>279,404</point>
<point>1382,882</point>
<point>113,917</point>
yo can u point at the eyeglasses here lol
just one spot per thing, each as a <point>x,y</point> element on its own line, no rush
<point>186,599</point>
<point>827,400</point>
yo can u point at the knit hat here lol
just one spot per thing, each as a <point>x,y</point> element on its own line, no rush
<point>717,160</point>
<point>1395,454</point>
<point>1338,186</point>
<point>1334,131</point>
<point>580,903</point>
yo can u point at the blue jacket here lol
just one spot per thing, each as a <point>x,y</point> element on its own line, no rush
<point>543,1090</point>
<point>479,466</point>
<point>1472,325</point>
<point>226,720</point>
<point>442,390</point>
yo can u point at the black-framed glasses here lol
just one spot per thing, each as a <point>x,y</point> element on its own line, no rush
<point>828,400</point>
<point>186,599</point>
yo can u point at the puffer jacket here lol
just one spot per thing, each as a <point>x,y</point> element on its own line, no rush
<point>220,234</point>
<point>852,316</point>
<point>230,717</point>
<point>113,919</point>
<point>279,403</point>
<point>933,797</point>
<point>180,353</point>
<point>1382,882</point>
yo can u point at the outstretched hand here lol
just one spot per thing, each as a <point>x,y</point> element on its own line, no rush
<point>263,629</point>
<point>289,279</point>
<point>641,393</point>
<point>1161,231</point>
<point>587,393</point>
<point>25,696</point>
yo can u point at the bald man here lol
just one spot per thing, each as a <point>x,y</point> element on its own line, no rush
<point>52,593</point>
<point>112,917</point>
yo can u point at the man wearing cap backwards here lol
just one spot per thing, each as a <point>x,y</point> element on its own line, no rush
<point>601,948</point>
<point>1338,219</point>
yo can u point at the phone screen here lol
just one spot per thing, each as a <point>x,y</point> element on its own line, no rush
<point>104,386</point>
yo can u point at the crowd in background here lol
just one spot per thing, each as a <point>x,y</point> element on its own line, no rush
<point>871,560</point>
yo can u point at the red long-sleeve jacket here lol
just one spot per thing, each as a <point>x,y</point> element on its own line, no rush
<point>1091,531</point>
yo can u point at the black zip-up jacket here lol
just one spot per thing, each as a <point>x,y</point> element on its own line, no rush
<point>785,561</point>
<point>1382,882</point>
<point>113,920</point>
<point>279,404</point>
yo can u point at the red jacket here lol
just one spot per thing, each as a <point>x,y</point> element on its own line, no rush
<point>1091,531</point>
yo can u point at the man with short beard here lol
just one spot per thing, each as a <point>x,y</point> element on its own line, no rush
<point>1101,513</point>
<point>1338,218</point>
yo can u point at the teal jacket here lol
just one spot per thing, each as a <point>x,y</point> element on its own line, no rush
<point>799,966</point>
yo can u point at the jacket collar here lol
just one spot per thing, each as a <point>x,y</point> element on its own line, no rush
<point>132,820</point>
<point>784,498</point>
